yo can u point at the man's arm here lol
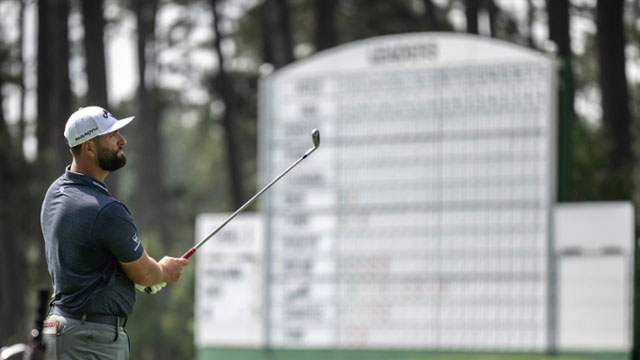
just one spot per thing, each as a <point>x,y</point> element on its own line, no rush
<point>146,271</point>
<point>118,234</point>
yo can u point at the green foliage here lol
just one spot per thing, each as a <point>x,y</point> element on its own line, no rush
<point>195,168</point>
<point>196,182</point>
<point>592,178</point>
<point>248,36</point>
<point>359,19</point>
<point>589,164</point>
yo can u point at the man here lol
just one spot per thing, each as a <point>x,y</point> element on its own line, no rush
<point>93,251</point>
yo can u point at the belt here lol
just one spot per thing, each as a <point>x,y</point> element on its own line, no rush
<point>113,320</point>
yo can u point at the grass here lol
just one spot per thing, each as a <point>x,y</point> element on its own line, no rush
<point>324,354</point>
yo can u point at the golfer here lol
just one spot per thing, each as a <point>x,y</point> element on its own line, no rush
<point>93,251</point>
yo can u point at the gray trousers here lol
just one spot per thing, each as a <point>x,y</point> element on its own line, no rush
<point>70,339</point>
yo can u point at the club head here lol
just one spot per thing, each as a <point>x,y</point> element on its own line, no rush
<point>315,136</point>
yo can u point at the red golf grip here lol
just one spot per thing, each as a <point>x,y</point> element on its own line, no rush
<point>185,256</point>
<point>189,253</point>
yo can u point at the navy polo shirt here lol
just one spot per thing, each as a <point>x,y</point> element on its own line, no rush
<point>87,233</point>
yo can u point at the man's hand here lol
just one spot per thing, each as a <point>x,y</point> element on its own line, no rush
<point>147,272</point>
<point>154,288</point>
<point>172,268</point>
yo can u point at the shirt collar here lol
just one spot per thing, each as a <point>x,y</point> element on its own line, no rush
<point>79,178</point>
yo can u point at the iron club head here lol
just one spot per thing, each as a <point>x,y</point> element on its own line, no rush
<point>315,136</point>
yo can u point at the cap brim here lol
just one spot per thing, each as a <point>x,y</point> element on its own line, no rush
<point>118,125</point>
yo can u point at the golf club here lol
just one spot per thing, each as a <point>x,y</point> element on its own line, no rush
<point>315,137</point>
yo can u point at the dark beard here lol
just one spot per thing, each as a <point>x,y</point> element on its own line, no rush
<point>110,161</point>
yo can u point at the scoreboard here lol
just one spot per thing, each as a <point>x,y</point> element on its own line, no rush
<point>423,220</point>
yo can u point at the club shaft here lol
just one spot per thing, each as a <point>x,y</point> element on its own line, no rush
<point>201,242</point>
<point>193,250</point>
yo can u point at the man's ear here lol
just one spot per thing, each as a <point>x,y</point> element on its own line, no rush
<point>90,148</point>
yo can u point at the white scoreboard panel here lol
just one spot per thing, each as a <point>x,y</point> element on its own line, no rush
<point>229,282</point>
<point>423,219</point>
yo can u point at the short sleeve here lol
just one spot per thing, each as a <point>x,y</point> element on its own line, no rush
<point>115,230</point>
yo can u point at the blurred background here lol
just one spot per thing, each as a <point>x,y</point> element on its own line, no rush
<point>189,72</point>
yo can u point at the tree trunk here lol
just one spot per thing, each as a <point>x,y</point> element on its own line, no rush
<point>229,119</point>
<point>54,85</point>
<point>613,84</point>
<point>60,82</point>
<point>471,12</point>
<point>531,11</point>
<point>278,48</point>
<point>93,22</point>
<point>45,124</point>
<point>11,258</point>
<point>493,11</point>
<point>326,33</point>
<point>559,21</point>
<point>430,16</point>
<point>23,89</point>
<point>147,138</point>
<point>96,69</point>
<point>12,262</point>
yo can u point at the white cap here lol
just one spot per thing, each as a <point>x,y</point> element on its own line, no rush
<point>89,122</point>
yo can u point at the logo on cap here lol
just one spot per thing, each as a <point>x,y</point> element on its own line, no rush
<point>86,133</point>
